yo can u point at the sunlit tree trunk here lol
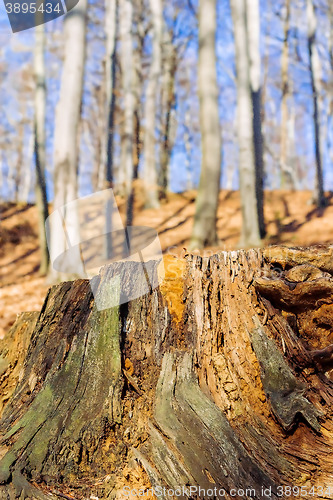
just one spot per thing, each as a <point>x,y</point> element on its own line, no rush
<point>330,102</point>
<point>253,35</point>
<point>40,144</point>
<point>149,145</point>
<point>245,16</point>
<point>315,74</point>
<point>1,177</point>
<point>66,142</point>
<point>204,230</point>
<point>167,105</point>
<point>188,149</point>
<point>20,159</point>
<point>111,7</point>
<point>126,156</point>
<point>29,155</point>
<point>137,142</point>
<point>286,176</point>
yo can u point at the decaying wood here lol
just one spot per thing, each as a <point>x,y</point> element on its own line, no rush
<point>202,437</point>
<point>13,350</point>
<point>218,377</point>
<point>284,392</point>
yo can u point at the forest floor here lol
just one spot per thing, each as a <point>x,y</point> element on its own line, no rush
<point>291,220</point>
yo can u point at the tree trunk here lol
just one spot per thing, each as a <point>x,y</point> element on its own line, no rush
<point>66,144</point>
<point>20,159</point>
<point>219,378</point>
<point>315,74</point>
<point>29,157</point>
<point>253,36</point>
<point>110,70</point>
<point>286,175</point>
<point>137,143</point>
<point>167,106</point>
<point>149,141</point>
<point>126,156</point>
<point>329,127</point>
<point>246,34</point>
<point>40,144</point>
<point>188,148</point>
<point>204,229</point>
<point>110,80</point>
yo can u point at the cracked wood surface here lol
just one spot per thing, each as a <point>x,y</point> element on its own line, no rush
<point>104,390</point>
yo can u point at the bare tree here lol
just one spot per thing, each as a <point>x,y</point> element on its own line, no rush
<point>315,74</point>
<point>330,105</point>
<point>40,143</point>
<point>204,229</point>
<point>111,7</point>
<point>29,157</point>
<point>66,137</point>
<point>149,146</point>
<point>285,169</point>
<point>169,58</point>
<point>126,157</point>
<point>245,14</point>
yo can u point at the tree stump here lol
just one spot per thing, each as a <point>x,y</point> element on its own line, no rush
<point>217,384</point>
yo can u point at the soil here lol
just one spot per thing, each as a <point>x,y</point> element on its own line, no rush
<point>291,219</point>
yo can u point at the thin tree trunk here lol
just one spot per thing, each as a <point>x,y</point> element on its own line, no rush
<point>1,177</point>
<point>126,156</point>
<point>315,74</point>
<point>101,134</point>
<point>110,70</point>
<point>188,149</point>
<point>110,80</point>
<point>286,177</point>
<point>330,97</point>
<point>26,185</point>
<point>204,229</point>
<point>220,378</point>
<point>253,34</point>
<point>249,129</point>
<point>295,175</point>
<point>137,146</point>
<point>66,144</point>
<point>149,142</point>
<point>20,160</point>
<point>167,105</point>
<point>40,144</point>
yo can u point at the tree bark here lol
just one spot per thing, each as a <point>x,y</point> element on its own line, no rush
<point>218,378</point>
<point>204,229</point>
<point>40,144</point>
<point>315,75</point>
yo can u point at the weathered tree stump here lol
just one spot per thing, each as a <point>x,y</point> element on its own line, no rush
<point>220,379</point>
